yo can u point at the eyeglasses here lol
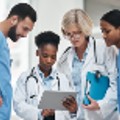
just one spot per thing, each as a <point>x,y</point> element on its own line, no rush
<point>75,35</point>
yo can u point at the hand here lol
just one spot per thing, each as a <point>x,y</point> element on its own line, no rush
<point>1,101</point>
<point>48,112</point>
<point>70,104</point>
<point>92,106</point>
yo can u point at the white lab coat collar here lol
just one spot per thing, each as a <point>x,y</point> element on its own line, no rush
<point>88,57</point>
<point>90,54</point>
<point>53,82</point>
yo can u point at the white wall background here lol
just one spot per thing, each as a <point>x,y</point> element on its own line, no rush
<point>96,8</point>
<point>50,13</point>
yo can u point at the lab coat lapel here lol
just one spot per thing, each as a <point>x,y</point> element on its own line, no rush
<point>38,76</point>
<point>90,55</point>
<point>54,84</point>
<point>69,60</point>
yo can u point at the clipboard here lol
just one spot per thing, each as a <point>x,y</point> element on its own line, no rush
<point>97,87</point>
<point>53,99</point>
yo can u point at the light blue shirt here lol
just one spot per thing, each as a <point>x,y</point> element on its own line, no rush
<point>5,79</point>
<point>76,77</point>
<point>47,83</point>
<point>118,81</point>
<point>47,80</point>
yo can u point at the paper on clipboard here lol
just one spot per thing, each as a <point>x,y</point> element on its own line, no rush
<point>53,99</point>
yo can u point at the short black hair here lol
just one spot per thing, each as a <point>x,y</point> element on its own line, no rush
<point>47,37</point>
<point>112,17</point>
<point>23,10</point>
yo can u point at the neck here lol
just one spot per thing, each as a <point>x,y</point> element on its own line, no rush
<point>80,50</point>
<point>46,72</point>
<point>4,27</point>
<point>118,45</point>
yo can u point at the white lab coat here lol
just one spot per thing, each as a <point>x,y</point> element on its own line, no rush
<point>25,107</point>
<point>107,66</point>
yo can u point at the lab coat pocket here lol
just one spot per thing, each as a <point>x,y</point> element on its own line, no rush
<point>99,67</point>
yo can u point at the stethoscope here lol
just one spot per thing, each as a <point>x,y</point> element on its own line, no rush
<point>36,81</point>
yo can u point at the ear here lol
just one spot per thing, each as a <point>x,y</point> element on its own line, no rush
<point>37,52</point>
<point>14,20</point>
<point>119,27</point>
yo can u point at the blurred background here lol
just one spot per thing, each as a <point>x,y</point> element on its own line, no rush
<point>50,13</point>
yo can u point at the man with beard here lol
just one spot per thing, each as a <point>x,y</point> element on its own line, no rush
<point>19,22</point>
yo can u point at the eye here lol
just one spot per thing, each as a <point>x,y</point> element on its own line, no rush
<point>78,32</point>
<point>25,29</point>
<point>105,31</point>
<point>108,31</point>
<point>68,34</point>
<point>54,57</point>
<point>45,55</point>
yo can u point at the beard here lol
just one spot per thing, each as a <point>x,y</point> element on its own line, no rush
<point>12,33</point>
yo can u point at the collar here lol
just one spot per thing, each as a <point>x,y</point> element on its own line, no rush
<point>51,76</point>
<point>84,55</point>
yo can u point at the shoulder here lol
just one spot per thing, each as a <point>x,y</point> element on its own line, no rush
<point>2,39</point>
<point>100,43</point>
<point>60,75</point>
<point>105,52</point>
<point>103,47</point>
<point>23,77</point>
<point>65,54</point>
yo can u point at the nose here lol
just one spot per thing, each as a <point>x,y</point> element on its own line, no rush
<point>104,35</point>
<point>49,60</point>
<point>25,34</point>
<point>72,37</point>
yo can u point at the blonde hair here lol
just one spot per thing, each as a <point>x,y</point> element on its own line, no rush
<point>79,18</point>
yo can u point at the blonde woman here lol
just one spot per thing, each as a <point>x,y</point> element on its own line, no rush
<point>77,60</point>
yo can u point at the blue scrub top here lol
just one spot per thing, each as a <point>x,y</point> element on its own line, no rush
<point>5,79</point>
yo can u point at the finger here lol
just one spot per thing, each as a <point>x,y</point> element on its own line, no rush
<point>66,104</point>
<point>70,107</point>
<point>44,113</point>
<point>48,112</point>
<point>67,101</point>
<point>90,98</point>
<point>52,111</point>
<point>71,97</point>
<point>85,106</point>
<point>88,107</point>
<point>72,100</point>
<point>70,103</point>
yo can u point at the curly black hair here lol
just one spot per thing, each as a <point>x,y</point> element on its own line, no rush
<point>112,17</point>
<point>47,37</point>
<point>23,10</point>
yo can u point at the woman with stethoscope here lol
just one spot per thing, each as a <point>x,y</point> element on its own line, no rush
<point>80,59</point>
<point>31,84</point>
